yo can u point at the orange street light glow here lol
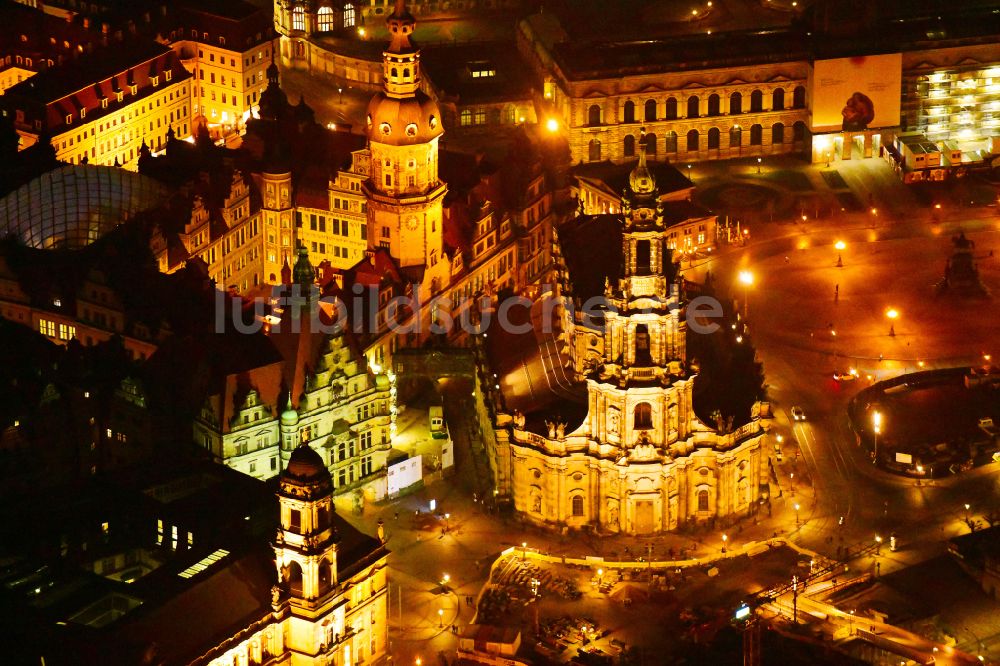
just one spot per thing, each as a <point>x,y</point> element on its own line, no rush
<point>892,313</point>
<point>552,125</point>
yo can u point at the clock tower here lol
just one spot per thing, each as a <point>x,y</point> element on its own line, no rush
<point>403,126</point>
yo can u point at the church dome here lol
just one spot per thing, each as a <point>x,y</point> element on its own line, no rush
<point>403,121</point>
<point>305,476</point>
<point>305,465</point>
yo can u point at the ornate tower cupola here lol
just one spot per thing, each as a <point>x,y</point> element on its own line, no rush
<point>401,59</point>
<point>404,191</point>
<point>643,336</point>
<point>306,543</point>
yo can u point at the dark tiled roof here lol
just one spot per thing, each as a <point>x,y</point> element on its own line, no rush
<point>448,69</point>
<point>83,71</point>
<point>591,246</point>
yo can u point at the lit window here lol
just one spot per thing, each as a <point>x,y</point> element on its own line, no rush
<point>324,18</point>
<point>298,19</point>
<point>349,15</point>
<point>46,327</point>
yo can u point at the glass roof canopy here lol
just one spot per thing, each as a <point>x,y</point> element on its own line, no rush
<point>75,205</point>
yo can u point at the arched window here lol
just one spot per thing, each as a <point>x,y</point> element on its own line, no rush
<point>324,19</point>
<point>713,138</point>
<point>650,110</point>
<point>799,97</point>
<point>325,575</point>
<point>294,579</point>
<point>736,103</point>
<point>692,141</point>
<point>756,135</point>
<point>799,131</point>
<point>642,257</point>
<point>642,354</point>
<point>713,105</point>
<point>642,416</point>
<point>756,101</point>
<point>670,142</point>
<point>577,503</point>
<point>778,134</point>
<point>650,141</point>
<point>594,115</point>
<point>465,118</point>
<point>298,18</point>
<point>595,150</point>
<point>693,104</point>
<point>349,15</point>
<point>670,110</point>
<point>406,72</point>
<point>778,99</point>
<point>393,73</point>
<point>628,147</point>
<point>703,500</point>
<point>628,116</point>
<point>735,136</point>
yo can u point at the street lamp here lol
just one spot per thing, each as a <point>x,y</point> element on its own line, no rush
<point>444,580</point>
<point>440,618</point>
<point>725,538</point>
<point>840,245</point>
<point>878,545</point>
<point>796,514</point>
<point>341,92</point>
<point>419,661</point>
<point>892,314</point>
<point>746,278</point>
<point>552,125</point>
<point>758,164</point>
<point>524,550</point>
<point>967,507</point>
<point>876,429</point>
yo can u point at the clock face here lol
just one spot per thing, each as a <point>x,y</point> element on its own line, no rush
<point>411,224</point>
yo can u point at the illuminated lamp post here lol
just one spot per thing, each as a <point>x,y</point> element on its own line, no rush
<point>758,165</point>
<point>746,278</point>
<point>876,429</point>
<point>725,538</point>
<point>892,314</point>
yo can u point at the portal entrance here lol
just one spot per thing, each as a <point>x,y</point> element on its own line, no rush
<point>644,517</point>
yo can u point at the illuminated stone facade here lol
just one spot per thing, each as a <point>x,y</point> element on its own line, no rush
<point>640,461</point>
<point>329,607</point>
<point>332,402</point>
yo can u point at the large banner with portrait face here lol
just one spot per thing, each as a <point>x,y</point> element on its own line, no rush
<point>855,94</point>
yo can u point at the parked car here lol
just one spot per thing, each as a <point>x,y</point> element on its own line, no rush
<point>848,376</point>
<point>798,414</point>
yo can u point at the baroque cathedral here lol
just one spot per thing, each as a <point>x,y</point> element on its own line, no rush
<point>628,454</point>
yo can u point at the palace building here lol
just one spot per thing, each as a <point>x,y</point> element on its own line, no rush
<point>144,574</point>
<point>616,446</point>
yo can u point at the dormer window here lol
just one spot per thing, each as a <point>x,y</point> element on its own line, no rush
<point>155,81</point>
<point>119,95</point>
<point>167,75</point>
<point>69,119</point>
<point>411,129</point>
<point>133,89</point>
<point>482,70</point>
<point>385,128</point>
<point>104,102</point>
<point>83,113</point>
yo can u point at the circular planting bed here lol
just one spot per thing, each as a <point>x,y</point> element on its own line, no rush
<point>931,423</point>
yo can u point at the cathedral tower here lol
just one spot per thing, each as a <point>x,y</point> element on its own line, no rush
<point>404,125</point>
